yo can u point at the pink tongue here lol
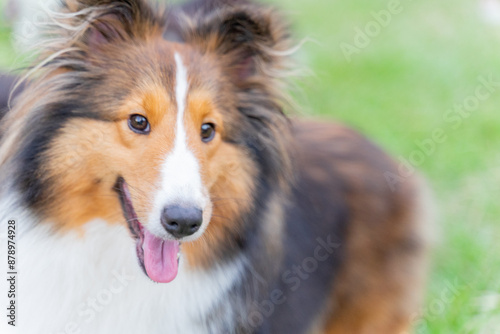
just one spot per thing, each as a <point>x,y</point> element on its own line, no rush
<point>160,258</point>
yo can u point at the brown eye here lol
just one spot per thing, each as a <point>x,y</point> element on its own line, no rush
<point>207,132</point>
<point>139,124</point>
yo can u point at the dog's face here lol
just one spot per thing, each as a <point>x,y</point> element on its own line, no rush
<point>161,151</point>
<point>154,134</point>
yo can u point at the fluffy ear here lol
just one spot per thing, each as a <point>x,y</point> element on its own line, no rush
<point>252,39</point>
<point>90,25</point>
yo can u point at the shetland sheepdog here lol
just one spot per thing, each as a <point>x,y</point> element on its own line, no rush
<point>156,185</point>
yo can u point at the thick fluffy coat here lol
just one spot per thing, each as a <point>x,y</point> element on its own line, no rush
<point>135,115</point>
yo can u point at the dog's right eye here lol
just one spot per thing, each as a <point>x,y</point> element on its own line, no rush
<point>139,124</point>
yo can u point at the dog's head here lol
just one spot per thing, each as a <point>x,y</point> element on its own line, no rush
<point>171,136</point>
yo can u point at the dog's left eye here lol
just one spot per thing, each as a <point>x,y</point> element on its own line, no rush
<point>207,132</point>
<point>139,124</point>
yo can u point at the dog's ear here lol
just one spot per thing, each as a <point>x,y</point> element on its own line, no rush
<point>91,25</point>
<point>251,40</point>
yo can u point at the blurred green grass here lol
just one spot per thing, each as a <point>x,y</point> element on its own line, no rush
<point>397,91</point>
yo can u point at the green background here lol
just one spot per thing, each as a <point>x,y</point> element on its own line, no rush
<point>397,89</point>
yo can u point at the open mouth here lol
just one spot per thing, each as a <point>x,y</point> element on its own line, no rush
<point>158,257</point>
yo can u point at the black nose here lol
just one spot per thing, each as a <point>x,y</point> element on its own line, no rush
<point>181,221</point>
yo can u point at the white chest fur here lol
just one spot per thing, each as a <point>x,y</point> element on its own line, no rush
<point>92,283</point>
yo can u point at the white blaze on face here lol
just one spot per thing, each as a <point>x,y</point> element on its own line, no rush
<point>180,179</point>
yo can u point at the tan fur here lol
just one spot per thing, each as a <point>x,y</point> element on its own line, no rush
<point>97,152</point>
<point>232,178</point>
<point>380,282</point>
